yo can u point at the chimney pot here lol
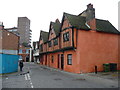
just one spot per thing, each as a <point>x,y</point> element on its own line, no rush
<point>89,6</point>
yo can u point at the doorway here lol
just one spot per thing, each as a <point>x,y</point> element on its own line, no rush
<point>45,59</point>
<point>58,60</point>
<point>62,61</point>
<point>27,58</point>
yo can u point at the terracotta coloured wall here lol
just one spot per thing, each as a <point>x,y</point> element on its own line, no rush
<point>69,68</point>
<point>75,62</point>
<point>54,64</point>
<point>45,59</point>
<point>96,48</point>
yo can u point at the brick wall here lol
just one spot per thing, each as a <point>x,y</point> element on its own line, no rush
<point>8,41</point>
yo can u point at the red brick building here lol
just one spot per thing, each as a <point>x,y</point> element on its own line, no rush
<point>79,43</point>
<point>9,46</point>
<point>8,40</point>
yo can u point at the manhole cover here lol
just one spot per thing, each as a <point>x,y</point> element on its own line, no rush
<point>81,79</point>
<point>57,79</point>
<point>105,74</point>
<point>44,68</point>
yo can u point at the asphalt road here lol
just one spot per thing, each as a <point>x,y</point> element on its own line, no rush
<point>38,76</point>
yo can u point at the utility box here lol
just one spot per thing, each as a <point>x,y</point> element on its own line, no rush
<point>106,67</point>
<point>113,67</point>
<point>110,67</point>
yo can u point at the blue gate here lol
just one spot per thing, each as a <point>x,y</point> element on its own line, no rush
<point>8,63</point>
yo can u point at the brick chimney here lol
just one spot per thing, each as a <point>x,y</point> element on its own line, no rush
<point>57,21</point>
<point>1,26</point>
<point>90,16</point>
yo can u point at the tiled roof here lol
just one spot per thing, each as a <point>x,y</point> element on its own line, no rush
<point>56,26</point>
<point>105,26</point>
<point>44,35</point>
<point>77,21</point>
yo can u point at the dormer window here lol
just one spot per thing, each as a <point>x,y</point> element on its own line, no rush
<point>49,43</point>
<point>55,41</point>
<point>66,37</point>
<point>41,47</point>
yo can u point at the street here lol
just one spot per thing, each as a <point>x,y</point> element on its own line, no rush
<point>38,76</point>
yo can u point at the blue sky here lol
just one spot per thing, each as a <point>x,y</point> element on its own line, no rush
<point>41,12</point>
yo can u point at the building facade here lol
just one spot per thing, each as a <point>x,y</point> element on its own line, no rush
<point>80,43</point>
<point>36,52</point>
<point>24,30</point>
<point>9,47</point>
<point>24,53</point>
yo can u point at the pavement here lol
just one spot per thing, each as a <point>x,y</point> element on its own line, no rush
<point>104,75</point>
<point>40,76</point>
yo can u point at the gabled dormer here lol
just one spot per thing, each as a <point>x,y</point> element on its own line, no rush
<point>70,25</point>
<point>54,29</point>
<point>65,22</point>
<point>43,37</point>
<point>43,41</point>
<point>52,33</point>
<point>73,21</point>
<point>66,32</point>
<point>53,38</point>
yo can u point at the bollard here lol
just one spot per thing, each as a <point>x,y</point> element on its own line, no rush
<point>95,69</point>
